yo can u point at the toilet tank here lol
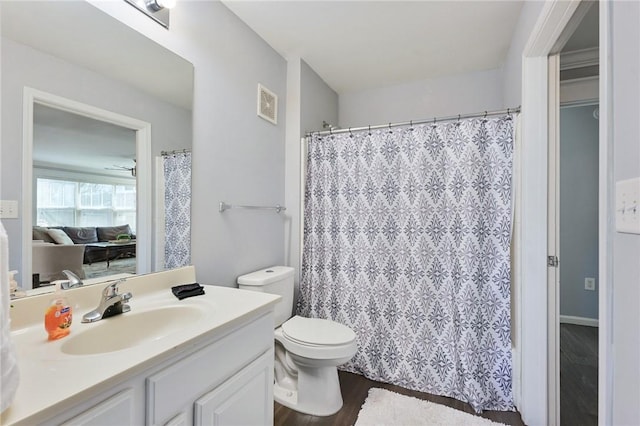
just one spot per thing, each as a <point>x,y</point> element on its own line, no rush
<point>275,280</point>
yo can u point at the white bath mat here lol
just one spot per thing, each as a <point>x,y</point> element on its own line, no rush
<point>386,408</point>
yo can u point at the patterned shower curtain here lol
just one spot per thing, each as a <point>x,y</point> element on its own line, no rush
<point>177,202</point>
<point>407,241</point>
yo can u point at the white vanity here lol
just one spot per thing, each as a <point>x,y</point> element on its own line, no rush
<point>202,360</point>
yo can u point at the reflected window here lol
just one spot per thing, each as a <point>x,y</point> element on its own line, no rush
<point>72,203</point>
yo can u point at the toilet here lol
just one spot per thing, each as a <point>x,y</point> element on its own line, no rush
<point>307,350</point>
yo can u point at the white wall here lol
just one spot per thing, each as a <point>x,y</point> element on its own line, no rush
<point>512,69</point>
<point>238,157</point>
<point>444,96</point>
<point>528,330</point>
<point>625,76</point>
<point>24,66</point>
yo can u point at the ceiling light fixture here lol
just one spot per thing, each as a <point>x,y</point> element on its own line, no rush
<point>158,10</point>
<point>157,5</point>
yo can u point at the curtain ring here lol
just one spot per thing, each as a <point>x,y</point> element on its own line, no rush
<point>369,129</point>
<point>350,134</point>
<point>485,115</point>
<point>411,125</point>
<point>390,128</point>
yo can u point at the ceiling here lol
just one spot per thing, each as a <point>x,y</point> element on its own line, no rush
<point>359,45</point>
<point>586,35</point>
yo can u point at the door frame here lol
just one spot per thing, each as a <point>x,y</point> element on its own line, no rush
<point>553,240</point>
<point>555,106</point>
<point>606,192</point>
<point>537,352</point>
<point>144,207</point>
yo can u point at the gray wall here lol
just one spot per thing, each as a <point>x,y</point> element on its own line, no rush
<point>24,66</point>
<point>318,101</point>
<point>512,68</point>
<point>578,210</point>
<point>237,156</point>
<point>625,76</point>
<point>450,95</point>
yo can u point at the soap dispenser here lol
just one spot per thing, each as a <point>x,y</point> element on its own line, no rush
<point>13,284</point>
<point>57,318</point>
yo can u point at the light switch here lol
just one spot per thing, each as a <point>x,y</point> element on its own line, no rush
<point>628,206</point>
<point>590,284</point>
<point>8,209</point>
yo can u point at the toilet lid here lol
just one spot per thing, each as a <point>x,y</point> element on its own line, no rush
<point>316,331</point>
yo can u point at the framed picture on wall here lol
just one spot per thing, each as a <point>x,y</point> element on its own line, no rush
<point>267,104</point>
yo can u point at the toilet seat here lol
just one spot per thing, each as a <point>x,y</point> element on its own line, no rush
<point>316,338</point>
<point>317,332</point>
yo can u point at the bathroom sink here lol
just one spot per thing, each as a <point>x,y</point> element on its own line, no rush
<point>129,329</point>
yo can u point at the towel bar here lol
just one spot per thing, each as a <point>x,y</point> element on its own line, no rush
<point>224,206</point>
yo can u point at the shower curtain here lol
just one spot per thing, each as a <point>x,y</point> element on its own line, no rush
<point>407,241</point>
<point>177,202</point>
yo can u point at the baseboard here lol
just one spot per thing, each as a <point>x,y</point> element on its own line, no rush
<point>568,319</point>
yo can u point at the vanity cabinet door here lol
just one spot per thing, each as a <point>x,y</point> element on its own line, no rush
<point>117,410</point>
<point>244,399</point>
<point>179,420</point>
<point>174,388</point>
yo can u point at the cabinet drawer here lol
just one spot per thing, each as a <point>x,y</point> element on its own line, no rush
<point>176,387</point>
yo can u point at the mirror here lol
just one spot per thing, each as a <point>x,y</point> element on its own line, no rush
<point>84,179</point>
<point>78,64</point>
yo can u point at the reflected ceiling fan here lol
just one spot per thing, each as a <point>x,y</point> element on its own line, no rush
<point>131,170</point>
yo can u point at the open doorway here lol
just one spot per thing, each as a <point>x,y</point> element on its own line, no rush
<point>578,238</point>
<point>577,224</point>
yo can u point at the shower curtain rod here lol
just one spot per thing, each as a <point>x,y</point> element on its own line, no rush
<point>411,123</point>
<point>175,151</point>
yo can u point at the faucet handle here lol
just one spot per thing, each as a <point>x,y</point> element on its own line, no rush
<point>72,280</point>
<point>112,289</point>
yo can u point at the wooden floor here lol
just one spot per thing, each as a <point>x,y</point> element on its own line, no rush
<point>578,375</point>
<point>354,391</point>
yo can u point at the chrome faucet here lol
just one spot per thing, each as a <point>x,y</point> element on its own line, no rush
<point>73,280</point>
<point>111,303</point>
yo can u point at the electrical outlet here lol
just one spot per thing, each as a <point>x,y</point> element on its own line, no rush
<point>590,284</point>
<point>8,209</point>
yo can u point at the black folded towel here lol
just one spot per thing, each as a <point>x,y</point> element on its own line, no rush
<point>187,290</point>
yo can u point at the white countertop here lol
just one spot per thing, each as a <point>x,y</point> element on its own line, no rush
<point>50,378</point>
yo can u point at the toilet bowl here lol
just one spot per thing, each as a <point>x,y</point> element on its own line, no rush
<point>309,382</point>
<point>307,350</point>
